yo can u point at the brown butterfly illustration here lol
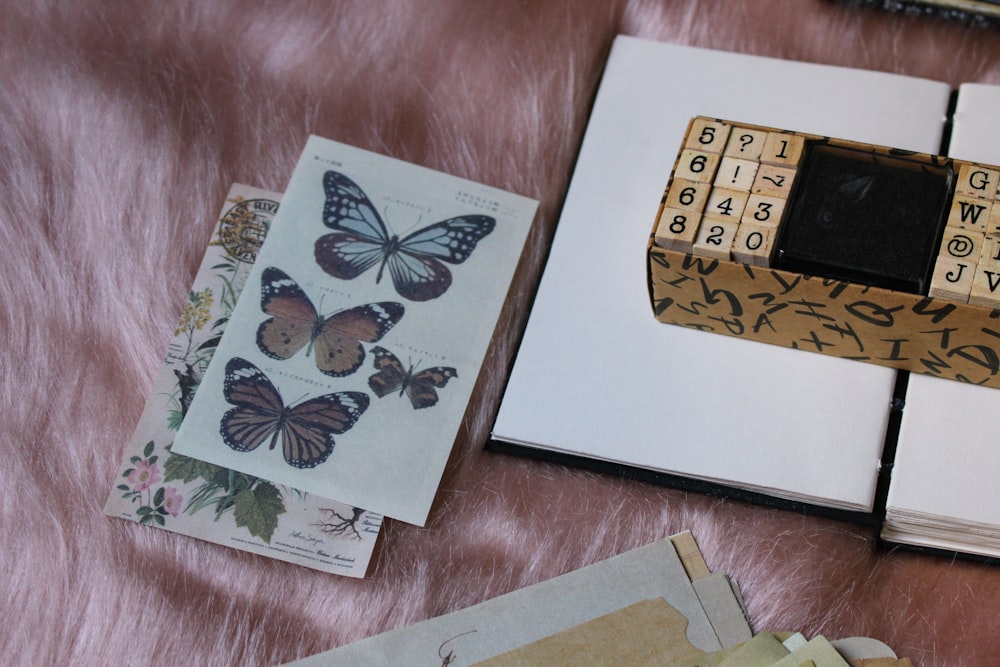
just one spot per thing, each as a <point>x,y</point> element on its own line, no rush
<point>419,387</point>
<point>295,324</point>
<point>306,430</point>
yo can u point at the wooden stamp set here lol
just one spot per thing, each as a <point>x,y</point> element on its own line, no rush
<point>856,250</point>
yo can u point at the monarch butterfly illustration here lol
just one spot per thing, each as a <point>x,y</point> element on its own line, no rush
<point>295,324</point>
<point>361,240</point>
<point>419,387</point>
<point>306,430</point>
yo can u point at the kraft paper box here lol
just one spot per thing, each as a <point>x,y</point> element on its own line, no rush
<point>750,242</point>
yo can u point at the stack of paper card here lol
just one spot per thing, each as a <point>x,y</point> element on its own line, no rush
<point>656,605</point>
<point>156,486</point>
<point>322,358</point>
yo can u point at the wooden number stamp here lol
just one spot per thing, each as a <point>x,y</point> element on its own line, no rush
<point>763,210</point>
<point>687,195</point>
<point>707,135</point>
<point>726,204</point>
<point>754,244</point>
<point>697,166</point>
<point>715,238</point>
<point>676,229</point>
<point>773,181</point>
<point>782,149</point>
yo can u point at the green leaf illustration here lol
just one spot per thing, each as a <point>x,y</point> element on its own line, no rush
<point>187,469</point>
<point>174,419</point>
<point>257,510</point>
<point>209,344</point>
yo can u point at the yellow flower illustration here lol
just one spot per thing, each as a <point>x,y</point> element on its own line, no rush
<point>196,312</point>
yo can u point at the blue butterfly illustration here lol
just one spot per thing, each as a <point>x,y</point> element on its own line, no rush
<point>306,430</point>
<point>361,240</point>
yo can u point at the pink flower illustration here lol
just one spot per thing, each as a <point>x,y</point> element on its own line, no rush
<point>172,500</point>
<point>144,476</point>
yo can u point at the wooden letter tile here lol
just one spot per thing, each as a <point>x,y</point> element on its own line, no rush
<point>754,244</point>
<point>986,287</point>
<point>763,210</point>
<point>976,181</point>
<point>952,279</point>
<point>726,204</point>
<point>991,252</point>
<point>993,224</point>
<point>986,283</point>
<point>687,195</point>
<point>955,268</point>
<point>697,166</point>
<point>969,213</point>
<point>715,238</point>
<point>707,135</point>
<point>782,149</point>
<point>736,174</point>
<point>676,229</point>
<point>745,143</point>
<point>773,181</point>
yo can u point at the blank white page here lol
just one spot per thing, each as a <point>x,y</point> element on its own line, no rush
<point>948,455</point>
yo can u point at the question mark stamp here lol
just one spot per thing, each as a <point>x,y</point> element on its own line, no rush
<point>746,144</point>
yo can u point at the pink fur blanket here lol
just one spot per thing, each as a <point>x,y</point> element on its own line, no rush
<point>122,126</point>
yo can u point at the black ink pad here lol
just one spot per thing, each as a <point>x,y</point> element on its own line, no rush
<point>866,218</point>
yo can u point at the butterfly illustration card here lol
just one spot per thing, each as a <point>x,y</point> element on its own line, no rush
<point>351,354</point>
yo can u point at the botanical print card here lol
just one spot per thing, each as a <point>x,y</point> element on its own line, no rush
<point>350,357</point>
<point>158,487</point>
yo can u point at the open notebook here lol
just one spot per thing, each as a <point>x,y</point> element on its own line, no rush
<point>598,382</point>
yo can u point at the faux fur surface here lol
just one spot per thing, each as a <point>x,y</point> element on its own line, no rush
<point>122,126</point>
